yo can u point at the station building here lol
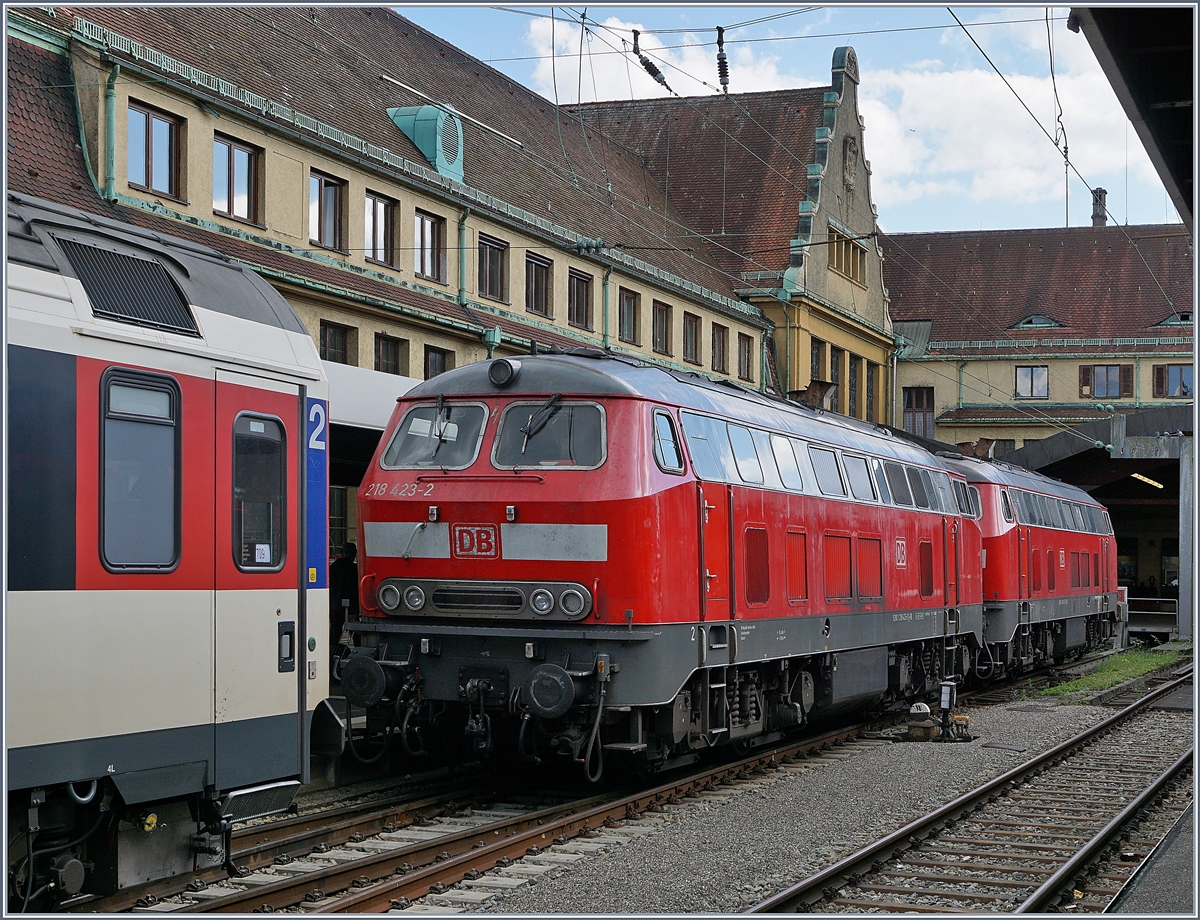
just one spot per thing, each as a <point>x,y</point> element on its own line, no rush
<point>420,210</point>
<point>1068,351</point>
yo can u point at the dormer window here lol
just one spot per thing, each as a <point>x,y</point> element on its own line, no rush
<point>1037,321</point>
<point>1178,318</point>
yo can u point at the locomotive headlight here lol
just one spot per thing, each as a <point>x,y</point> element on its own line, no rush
<point>542,601</point>
<point>389,597</point>
<point>571,602</point>
<point>414,597</point>
<point>503,371</point>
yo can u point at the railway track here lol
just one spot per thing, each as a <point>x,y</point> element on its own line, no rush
<point>1070,826</point>
<point>410,857</point>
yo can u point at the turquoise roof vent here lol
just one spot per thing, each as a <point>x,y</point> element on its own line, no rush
<point>438,134</point>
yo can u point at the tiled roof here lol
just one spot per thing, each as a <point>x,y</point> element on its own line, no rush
<point>328,62</point>
<point>1093,282</point>
<point>46,161</point>
<point>733,165</point>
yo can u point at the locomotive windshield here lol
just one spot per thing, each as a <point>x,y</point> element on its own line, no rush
<point>444,435</point>
<point>551,433</point>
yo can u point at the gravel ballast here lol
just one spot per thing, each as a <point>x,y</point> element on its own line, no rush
<point>724,852</point>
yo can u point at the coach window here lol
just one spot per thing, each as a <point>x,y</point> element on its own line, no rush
<point>920,496</point>
<point>963,501</point>
<point>666,444</point>
<point>881,481</point>
<point>829,477</point>
<point>141,489</point>
<point>976,502</point>
<point>860,478</point>
<point>1005,506</point>
<point>1077,513</point>
<point>444,436</point>
<point>550,434</point>
<point>785,459</point>
<point>749,469</point>
<point>899,485</point>
<point>259,491</point>
<point>930,491</point>
<point>708,445</point>
<point>941,482</point>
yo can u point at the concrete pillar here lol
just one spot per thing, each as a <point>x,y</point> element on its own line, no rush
<point>1187,504</point>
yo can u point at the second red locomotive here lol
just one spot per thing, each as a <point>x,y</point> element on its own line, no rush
<point>589,555</point>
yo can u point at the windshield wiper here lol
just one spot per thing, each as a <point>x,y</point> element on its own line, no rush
<point>440,431</point>
<point>537,421</point>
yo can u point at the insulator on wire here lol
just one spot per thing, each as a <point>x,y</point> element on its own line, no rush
<point>648,64</point>
<point>722,60</point>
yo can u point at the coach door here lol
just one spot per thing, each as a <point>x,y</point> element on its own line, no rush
<point>260,655</point>
<point>715,577</point>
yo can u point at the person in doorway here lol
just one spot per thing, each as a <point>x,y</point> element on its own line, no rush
<point>343,594</point>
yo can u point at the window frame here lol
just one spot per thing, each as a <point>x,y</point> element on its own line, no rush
<point>162,383</point>
<point>283,508</point>
<point>692,326</point>
<point>536,264</point>
<point>382,338</point>
<point>490,287</point>
<point>535,404</point>
<point>659,457</point>
<point>435,246</point>
<point>720,334</point>
<point>629,305</point>
<point>374,201</point>
<point>233,145</point>
<point>1032,369</point>
<point>847,257</point>
<point>174,149</point>
<point>577,282</point>
<point>326,328</point>
<point>431,404</point>
<point>430,351</point>
<point>661,344</point>
<point>325,181</point>
<point>745,357</point>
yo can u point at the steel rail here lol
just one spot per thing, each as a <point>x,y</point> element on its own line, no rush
<point>812,889</point>
<point>1040,900</point>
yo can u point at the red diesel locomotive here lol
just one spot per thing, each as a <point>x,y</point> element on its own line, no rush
<point>585,554</point>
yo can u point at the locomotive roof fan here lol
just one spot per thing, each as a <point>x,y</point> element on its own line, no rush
<point>503,371</point>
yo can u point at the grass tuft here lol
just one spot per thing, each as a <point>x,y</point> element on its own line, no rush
<point>1120,668</point>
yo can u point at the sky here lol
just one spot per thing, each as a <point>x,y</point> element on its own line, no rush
<point>950,145</point>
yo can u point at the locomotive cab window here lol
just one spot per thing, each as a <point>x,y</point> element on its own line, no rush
<point>666,444</point>
<point>1005,507</point>
<point>140,501</point>
<point>445,435</point>
<point>259,493</point>
<point>550,434</point>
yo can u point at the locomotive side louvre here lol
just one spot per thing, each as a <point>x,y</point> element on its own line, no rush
<point>139,452</point>
<point>724,564</point>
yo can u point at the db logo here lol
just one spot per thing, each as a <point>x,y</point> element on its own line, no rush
<point>901,554</point>
<point>476,540</point>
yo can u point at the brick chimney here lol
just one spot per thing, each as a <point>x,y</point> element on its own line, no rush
<point>1099,217</point>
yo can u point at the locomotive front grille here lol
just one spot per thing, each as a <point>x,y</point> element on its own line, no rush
<point>479,600</point>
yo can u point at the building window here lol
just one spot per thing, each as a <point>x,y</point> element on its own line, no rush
<point>1173,381</point>
<point>493,268</point>
<point>1033,382</point>
<point>437,361</point>
<point>379,231</point>
<point>918,411</point>
<point>1002,446</point>
<point>691,338</point>
<point>579,299</point>
<point>627,317</point>
<point>1107,381</point>
<point>391,354</point>
<point>662,328</point>
<point>847,257</point>
<point>537,286</point>
<point>153,150</point>
<point>872,371</point>
<point>817,353</point>
<point>325,196</point>
<point>745,356</point>
<point>720,349</point>
<point>429,252</point>
<point>852,390</point>
<point>335,341</point>
<point>235,172</point>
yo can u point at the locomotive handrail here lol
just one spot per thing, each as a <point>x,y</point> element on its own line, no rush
<point>481,477</point>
